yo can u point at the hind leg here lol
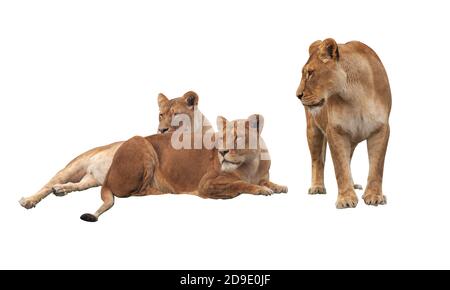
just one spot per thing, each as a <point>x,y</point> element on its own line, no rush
<point>67,174</point>
<point>32,201</point>
<point>86,182</point>
<point>132,170</point>
<point>131,173</point>
<point>108,202</point>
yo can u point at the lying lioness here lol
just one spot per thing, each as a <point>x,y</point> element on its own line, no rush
<point>151,166</point>
<point>89,169</point>
<point>347,99</point>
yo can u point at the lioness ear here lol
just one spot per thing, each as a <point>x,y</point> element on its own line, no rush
<point>256,121</point>
<point>221,122</point>
<point>328,50</point>
<point>191,98</point>
<point>313,47</point>
<point>162,100</point>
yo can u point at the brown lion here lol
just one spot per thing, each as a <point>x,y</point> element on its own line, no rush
<point>152,166</point>
<point>90,168</point>
<point>347,99</point>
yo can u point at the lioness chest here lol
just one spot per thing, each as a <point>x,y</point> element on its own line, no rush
<point>358,121</point>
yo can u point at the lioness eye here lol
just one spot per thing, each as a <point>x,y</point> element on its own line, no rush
<point>160,116</point>
<point>310,73</point>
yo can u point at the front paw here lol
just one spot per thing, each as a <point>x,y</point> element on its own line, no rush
<point>27,202</point>
<point>317,190</point>
<point>375,199</point>
<point>264,190</point>
<point>279,188</point>
<point>347,199</point>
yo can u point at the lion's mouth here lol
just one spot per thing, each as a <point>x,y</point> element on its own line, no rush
<point>230,162</point>
<point>314,104</point>
<point>229,166</point>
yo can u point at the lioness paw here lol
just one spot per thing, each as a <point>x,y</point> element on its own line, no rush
<point>317,190</point>
<point>347,200</point>
<point>374,199</point>
<point>27,202</point>
<point>279,188</point>
<point>264,190</point>
<point>59,190</point>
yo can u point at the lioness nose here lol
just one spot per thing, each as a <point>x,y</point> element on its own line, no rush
<point>300,96</point>
<point>224,152</point>
<point>162,130</point>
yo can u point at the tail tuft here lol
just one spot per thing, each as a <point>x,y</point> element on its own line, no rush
<point>87,217</point>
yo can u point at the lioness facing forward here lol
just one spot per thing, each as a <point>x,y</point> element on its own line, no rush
<point>347,99</point>
<point>152,166</point>
<point>90,168</point>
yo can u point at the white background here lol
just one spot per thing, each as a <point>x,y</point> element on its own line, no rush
<point>78,74</point>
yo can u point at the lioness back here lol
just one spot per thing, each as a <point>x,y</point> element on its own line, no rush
<point>368,67</point>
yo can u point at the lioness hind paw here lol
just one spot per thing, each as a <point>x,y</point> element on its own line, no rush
<point>59,190</point>
<point>87,217</point>
<point>27,202</point>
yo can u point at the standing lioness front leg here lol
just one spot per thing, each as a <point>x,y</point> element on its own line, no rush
<point>317,144</point>
<point>340,148</point>
<point>376,148</point>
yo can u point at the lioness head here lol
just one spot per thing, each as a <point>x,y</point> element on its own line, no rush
<point>322,76</point>
<point>168,109</point>
<point>238,142</point>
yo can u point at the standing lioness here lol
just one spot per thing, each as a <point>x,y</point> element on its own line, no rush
<point>347,99</point>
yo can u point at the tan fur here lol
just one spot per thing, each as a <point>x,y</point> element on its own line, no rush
<point>90,168</point>
<point>151,166</point>
<point>347,99</point>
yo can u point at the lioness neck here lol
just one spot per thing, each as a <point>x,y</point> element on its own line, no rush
<point>250,170</point>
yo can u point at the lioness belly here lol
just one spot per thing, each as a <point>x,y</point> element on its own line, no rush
<point>99,163</point>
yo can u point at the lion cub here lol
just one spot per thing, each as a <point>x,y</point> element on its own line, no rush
<point>347,99</point>
<point>152,166</point>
